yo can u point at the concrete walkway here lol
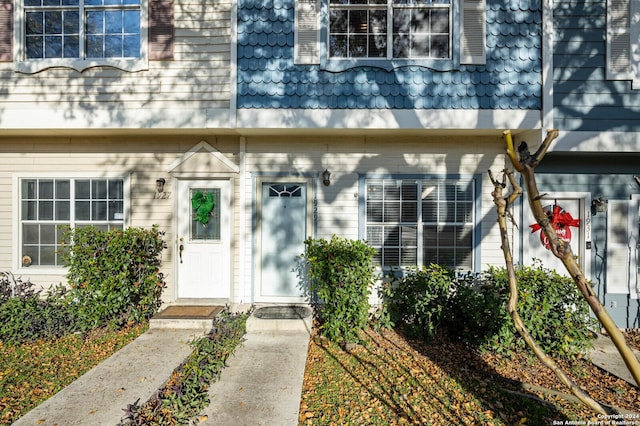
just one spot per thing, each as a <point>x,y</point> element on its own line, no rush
<point>261,385</point>
<point>606,356</point>
<point>134,372</point>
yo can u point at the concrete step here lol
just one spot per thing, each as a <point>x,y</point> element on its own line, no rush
<point>265,319</point>
<point>181,324</point>
<point>280,318</point>
<point>194,317</point>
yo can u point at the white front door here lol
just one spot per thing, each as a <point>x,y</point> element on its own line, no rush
<point>570,214</point>
<point>203,239</point>
<point>284,224</point>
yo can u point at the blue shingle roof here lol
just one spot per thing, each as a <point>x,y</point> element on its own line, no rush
<point>268,78</point>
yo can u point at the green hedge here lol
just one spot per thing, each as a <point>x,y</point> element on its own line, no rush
<point>474,308</point>
<point>114,275</point>
<point>341,274</point>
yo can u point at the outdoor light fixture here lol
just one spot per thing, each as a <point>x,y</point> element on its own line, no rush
<point>326,177</point>
<point>599,205</point>
<point>160,185</point>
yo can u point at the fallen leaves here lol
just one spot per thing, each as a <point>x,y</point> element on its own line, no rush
<point>33,372</point>
<point>390,381</point>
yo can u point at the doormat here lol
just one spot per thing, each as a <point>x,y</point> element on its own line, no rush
<point>189,312</point>
<point>282,312</point>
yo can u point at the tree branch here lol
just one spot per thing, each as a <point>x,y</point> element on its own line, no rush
<point>562,250</point>
<point>503,203</point>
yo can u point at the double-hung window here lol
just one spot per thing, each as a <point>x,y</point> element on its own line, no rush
<point>389,29</point>
<point>338,34</point>
<point>420,221</point>
<point>49,205</point>
<point>85,29</point>
<point>81,34</point>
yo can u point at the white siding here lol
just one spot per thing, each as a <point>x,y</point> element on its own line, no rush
<point>348,157</point>
<point>197,79</point>
<point>143,160</point>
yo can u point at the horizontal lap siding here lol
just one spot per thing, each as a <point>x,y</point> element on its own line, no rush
<point>144,160</point>
<point>584,100</point>
<point>348,157</point>
<point>199,74</point>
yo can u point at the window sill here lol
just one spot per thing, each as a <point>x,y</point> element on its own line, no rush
<point>337,65</point>
<point>33,66</point>
<point>39,270</point>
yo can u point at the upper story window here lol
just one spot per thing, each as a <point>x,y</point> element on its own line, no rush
<point>80,29</point>
<point>80,34</point>
<point>84,30</point>
<point>389,29</point>
<point>339,34</point>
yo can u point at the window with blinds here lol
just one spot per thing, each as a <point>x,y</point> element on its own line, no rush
<point>418,222</point>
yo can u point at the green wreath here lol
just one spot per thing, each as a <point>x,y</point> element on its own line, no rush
<point>203,205</point>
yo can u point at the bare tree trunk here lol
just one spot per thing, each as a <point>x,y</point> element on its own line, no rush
<point>502,204</point>
<point>524,162</point>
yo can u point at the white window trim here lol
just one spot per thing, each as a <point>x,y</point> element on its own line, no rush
<point>32,66</point>
<point>472,179</point>
<point>17,268</point>
<point>313,31</point>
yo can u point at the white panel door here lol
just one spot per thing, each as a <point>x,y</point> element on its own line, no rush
<point>283,229</point>
<point>536,243</point>
<point>203,243</point>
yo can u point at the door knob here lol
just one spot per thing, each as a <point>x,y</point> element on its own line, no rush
<point>181,248</point>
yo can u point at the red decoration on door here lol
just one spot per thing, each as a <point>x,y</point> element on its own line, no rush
<point>561,220</point>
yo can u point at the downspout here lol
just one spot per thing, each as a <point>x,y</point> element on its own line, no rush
<point>233,68</point>
<point>242,232</point>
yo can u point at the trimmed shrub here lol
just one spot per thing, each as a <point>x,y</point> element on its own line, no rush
<point>417,301</point>
<point>114,275</point>
<point>474,309</point>
<point>341,273</point>
<point>550,305</point>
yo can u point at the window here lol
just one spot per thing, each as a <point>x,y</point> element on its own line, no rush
<point>389,29</point>
<point>80,34</point>
<point>418,222</point>
<point>82,29</point>
<point>436,33</point>
<point>47,206</point>
<point>623,38</point>
<point>210,231</point>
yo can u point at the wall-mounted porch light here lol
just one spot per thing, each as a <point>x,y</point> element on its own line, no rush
<point>599,205</point>
<point>326,177</point>
<point>160,184</point>
<point>160,192</point>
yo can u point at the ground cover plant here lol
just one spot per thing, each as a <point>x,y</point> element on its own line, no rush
<point>391,380</point>
<point>32,372</point>
<point>185,394</point>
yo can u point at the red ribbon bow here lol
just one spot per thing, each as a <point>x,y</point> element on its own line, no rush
<point>559,218</point>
